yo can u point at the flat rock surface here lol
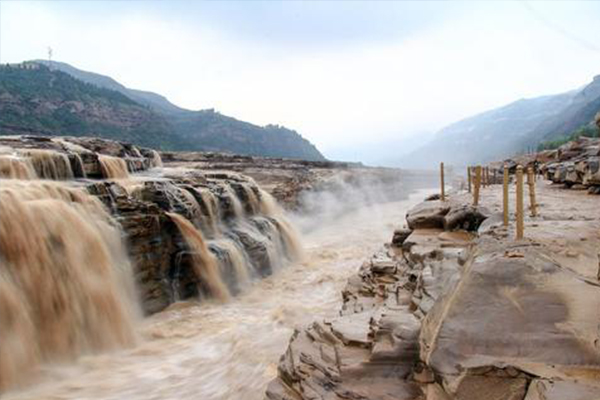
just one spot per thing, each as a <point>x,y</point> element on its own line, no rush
<point>454,314</point>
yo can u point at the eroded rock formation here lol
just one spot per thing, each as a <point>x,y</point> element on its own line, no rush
<point>447,313</point>
<point>83,219</point>
<point>576,164</point>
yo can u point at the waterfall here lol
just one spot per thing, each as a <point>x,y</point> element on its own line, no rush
<point>236,205</point>
<point>233,255</point>
<point>268,205</point>
<point>289,234</point>
<point>251,197</point>
<point>65,281</point>
<point>49,164</point>
<point>193,206</point>
<point>12,167</point>
<point>155,160</point>
<point>290,238</point>
<point>204,263</point>
<point>211,205</point>
<point>79,168</point>
<point>113,167</point>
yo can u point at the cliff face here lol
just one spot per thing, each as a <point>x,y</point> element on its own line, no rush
<point>161,125</point>
<point>239,226</point>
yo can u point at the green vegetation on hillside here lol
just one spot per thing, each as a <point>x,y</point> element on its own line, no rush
<point>63,100</point>
<point>42,101</point>
<point>584,131</point>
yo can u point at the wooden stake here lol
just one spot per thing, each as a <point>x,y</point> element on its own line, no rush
<point>482,176</point>
<point>531,184</point>
<point>469,177</point>
<point>486,176</point>
<point>442,191</point>
<point>505,196</point>
<point>477,185</point>
<point>519,202</point>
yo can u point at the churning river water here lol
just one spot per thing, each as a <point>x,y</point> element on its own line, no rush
<point>213,351</point>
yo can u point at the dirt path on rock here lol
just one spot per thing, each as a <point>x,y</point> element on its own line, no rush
<point>568,222</point>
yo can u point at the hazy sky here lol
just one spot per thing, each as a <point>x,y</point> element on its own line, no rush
<point>355,78</point>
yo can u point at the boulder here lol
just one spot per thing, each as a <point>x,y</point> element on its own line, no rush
<point>544,389</point>
<point>400,236</point>
<point>428,215</point>
<point>526,312</point>
<point>465,217</point>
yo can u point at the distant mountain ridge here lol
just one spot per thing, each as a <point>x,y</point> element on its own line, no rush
<point>158,122</point>
<point>153,100</point>
<point>502,132</point>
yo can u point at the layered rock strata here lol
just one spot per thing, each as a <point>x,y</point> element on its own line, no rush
<point>291,181</point>
<point>575,165</point>
<point>238,227</point>
<point>461,310</point>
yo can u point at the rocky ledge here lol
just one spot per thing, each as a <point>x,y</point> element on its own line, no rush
<point>235,222</point>
<point>241,225</point>
<point>575,165</point>
<point>289,180</point>
<point>456,308</point>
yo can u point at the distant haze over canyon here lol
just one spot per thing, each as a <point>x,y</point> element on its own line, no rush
<point>64,100</point>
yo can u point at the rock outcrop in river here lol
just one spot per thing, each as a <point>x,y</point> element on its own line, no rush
<point>83,219</point>
<point>457,309</point>
<point>116,235</point>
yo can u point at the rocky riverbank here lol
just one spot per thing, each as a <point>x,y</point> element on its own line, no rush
<point>141,234</point>
<point>243,227</point>
<point>456,308</point>
<point>575,165</point>
<point>215,192</point>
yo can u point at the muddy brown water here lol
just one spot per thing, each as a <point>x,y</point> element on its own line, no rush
<point>229,351</point>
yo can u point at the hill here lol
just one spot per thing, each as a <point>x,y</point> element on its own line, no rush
<point>515,128</point>
<point>579,113</point>
<point>153,100</point>
<point>36,99</point>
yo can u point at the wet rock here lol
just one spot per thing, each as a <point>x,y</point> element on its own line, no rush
<point>465,217</point>
<point>543,389</point>
<point>400,236</point>
<point>428,215</point>
<point>490,387</point>
<point>435,196</point>
<point>470,316</point>
<point>82,152</point>
<point>149,235</point>
<point>507,311</point>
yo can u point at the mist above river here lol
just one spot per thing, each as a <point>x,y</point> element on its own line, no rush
<point>211,350</point>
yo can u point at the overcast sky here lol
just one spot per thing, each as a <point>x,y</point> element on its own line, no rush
<point>361,80</point>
